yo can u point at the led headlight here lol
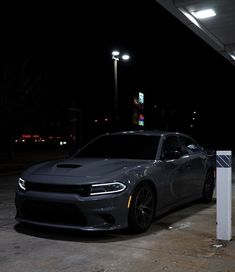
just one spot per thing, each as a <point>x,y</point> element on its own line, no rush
<point>21,183</point>
<point>107,188</point>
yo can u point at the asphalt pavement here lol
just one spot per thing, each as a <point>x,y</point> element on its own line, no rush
<point>183,240</point>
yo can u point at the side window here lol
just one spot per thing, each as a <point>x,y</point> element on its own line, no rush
<point>171,143</point>
<point>189,146</point>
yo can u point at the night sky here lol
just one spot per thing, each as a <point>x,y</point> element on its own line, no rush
<point>68,46</point>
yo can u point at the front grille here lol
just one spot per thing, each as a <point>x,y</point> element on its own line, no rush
<point>82,190</point>
<point>49,212</point>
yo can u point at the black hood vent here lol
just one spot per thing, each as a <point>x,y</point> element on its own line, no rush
<point>68,165</point>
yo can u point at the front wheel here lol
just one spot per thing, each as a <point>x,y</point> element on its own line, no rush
<point>141,211</point>
<point>208,187</point>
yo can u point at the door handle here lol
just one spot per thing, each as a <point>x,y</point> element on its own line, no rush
<point>188,165</point>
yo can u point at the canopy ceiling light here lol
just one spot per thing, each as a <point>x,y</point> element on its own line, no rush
<point>203,14</point>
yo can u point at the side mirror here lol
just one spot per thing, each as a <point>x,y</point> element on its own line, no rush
<point>172,154</point>
<point>210,152</point>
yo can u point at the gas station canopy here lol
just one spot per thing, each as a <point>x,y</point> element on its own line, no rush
<point>213,21</point>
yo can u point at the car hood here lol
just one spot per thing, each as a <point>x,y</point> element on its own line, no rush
<point>81,169</point>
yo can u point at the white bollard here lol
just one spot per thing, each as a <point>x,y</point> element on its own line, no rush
<point>224,195</point>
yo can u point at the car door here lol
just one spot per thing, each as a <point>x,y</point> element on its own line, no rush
<point>197,161</point>
<point>173,172</point>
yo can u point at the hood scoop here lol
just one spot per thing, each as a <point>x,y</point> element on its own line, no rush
<point>68,165</point>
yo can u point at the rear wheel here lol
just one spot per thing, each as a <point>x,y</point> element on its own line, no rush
<point>208,187</point>
<point>141,211</point>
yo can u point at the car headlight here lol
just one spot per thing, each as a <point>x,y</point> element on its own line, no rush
<point>107,188</point>
<point>21,183</point>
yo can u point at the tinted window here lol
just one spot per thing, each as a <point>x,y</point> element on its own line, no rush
<point>189,145</point>
<point>122,146</point>
<point>171,143</point>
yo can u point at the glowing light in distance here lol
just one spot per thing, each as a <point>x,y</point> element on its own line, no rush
<point>115,53</point>
<point>125,57</point>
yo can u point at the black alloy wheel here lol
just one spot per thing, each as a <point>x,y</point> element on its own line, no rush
<point>208,187</point>
<point>142,209</point>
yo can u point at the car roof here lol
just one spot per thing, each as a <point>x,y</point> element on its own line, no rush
<point>145,132</point>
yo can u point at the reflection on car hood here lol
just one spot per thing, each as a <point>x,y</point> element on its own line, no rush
<point>85,168</point>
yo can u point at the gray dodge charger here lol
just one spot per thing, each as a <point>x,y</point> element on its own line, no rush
<point>119,180</point>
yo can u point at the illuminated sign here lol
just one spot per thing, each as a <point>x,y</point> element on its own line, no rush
<point>138,114</point>
<point>141,120</point>
<point>141,98</point>
<point>26,136</point>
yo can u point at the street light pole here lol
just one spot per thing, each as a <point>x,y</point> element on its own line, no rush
<point>115,57</point>
<point>116,94</point>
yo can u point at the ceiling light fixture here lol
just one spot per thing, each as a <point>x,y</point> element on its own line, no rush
<point>190,17</point>
<point>203,14</point>
<point>232,56</point>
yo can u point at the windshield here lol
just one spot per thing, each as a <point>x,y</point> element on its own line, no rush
<point>142,147</point>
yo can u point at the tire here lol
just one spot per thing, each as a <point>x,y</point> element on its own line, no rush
<point>142,208</point>
<point>208,188</point>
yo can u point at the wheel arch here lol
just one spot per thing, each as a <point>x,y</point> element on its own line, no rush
<point>133,225</point>
<point>152,184</point>
<point>210,169</point>
<point>210,173</point>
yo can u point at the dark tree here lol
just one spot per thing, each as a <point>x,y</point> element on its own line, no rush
<point>17,82</point>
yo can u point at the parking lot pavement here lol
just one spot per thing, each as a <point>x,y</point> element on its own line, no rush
<point>183,240</point>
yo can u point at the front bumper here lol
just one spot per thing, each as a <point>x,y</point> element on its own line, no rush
<point>96,213</point>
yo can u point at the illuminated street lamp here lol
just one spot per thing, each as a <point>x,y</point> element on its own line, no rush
<point>115,57</point>
<point>125,57</point>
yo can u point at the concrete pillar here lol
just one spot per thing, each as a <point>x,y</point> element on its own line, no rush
<point>224,195</point>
